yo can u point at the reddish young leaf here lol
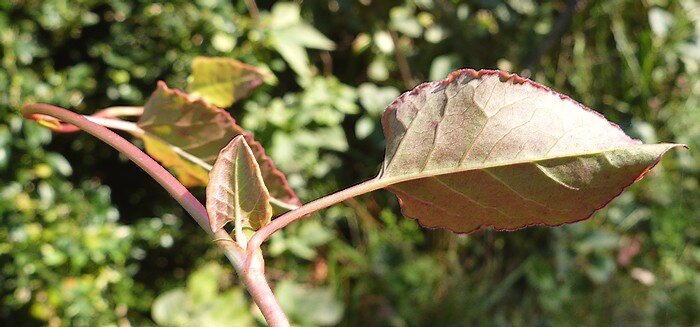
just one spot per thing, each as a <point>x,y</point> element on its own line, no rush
<point>222,81</point>
<point>186,136</point>
<point>487,148</point>
<point>236,191</point>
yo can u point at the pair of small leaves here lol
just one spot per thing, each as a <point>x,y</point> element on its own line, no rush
<point>183,133</point>
<point>186,132</point>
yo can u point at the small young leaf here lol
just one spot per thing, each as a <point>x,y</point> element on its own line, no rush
<point>186,136</point>
<point>222,81</point>
<point>236,191</point>
<point>489,148</point>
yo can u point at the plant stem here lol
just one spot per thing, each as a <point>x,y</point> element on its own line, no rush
<point>254,266</point>
<point>252,9</point>
<point>103,118</point>
<point>253,275</point>
<point>107,113</point>
<point>254,280</point>
<point>404,69</point>
<point>118,124</point>
<point>150,166</point>
<point>555,34</point>
<point>120,111</point>
<point>264,233</point>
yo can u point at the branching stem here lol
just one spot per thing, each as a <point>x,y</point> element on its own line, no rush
<point>150,166</point>
<point>280,222</point>
<point>253,274</point>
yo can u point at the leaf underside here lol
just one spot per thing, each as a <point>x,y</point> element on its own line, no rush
<point>487,148</point>
<point>222,81</point>
<point>236,190</point>
<point>200,130</point>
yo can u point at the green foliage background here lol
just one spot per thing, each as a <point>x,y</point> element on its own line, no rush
<point>88,239</point>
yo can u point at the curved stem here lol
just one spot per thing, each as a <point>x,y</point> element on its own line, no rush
<point>252,9</point>
<point>117,124</point>
<point>150,166</point>
<point>120,111</point>
<point>107,113</point>
<point>253,277</point>
<point>264,233</point>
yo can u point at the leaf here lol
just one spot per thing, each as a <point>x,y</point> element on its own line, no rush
<point>287,21</point>
<point>237,191</point>
<point>201,303</point>
<point>488,148</point>
<point>374,99</point>
<point>203,284</point>
<point>443,65</point>
<point>222,81</point>
<point>404,20</point>
<point>186,136</point>
<point>188,172</point>
<point>167,308</point>
<point>290,35</point>
<point>47,121</point>
<point>309,306</point>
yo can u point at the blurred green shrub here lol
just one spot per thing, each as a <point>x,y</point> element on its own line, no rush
<point>69,257</point>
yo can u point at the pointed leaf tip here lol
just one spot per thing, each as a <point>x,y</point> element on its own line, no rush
<point>489,148</point>
<point>236,190</point>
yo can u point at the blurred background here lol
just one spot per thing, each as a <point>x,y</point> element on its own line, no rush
<point>86,238</point>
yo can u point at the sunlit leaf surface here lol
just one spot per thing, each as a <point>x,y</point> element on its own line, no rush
<point>488,148</point>
<point>222,81</point>
<point>186,136</point>
<point>236,191</point>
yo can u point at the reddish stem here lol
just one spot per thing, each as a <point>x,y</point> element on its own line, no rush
<point>150,166</point>
<point>280,222</point>
<point>253,278</point>
<point>112,112</point>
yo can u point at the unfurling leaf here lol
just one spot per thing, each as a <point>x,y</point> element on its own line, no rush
<point>186,136</point>
<point>486,148</point>
<point>47,121</point>
<point>236,190</point>
<point>222,81</point>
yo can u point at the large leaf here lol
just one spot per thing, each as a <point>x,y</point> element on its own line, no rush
<point>236,190</point>
<point>488,148</point>
<point>186,136</point>
<point>222,81</point>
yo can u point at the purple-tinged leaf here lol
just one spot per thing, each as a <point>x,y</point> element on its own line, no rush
<point>487,148</point>
<point>186,136</point>
<point>236,190</point>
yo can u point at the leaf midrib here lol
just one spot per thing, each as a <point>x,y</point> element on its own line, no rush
<point>390,180</point>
